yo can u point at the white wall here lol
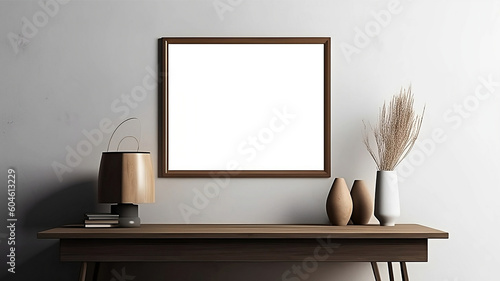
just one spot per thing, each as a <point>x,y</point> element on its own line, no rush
<point>72,72</point>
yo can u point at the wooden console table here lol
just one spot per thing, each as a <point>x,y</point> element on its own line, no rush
<point>244,243</point>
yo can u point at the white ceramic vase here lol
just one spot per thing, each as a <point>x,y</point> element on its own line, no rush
<point>387,209</point>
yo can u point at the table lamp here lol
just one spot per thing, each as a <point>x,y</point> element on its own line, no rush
<point>126,178</point>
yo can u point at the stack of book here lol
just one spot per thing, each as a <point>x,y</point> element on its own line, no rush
<point>101,220</point>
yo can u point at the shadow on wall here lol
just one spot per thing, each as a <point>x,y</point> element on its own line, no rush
<point>45,265</point>
<point>38,259</point>
<point>67,206</point>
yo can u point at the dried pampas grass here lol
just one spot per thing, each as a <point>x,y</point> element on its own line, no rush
<point>396,132</point>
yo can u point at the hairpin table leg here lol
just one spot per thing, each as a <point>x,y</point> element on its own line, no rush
<point>391,271</point>
<point>404,272</point>
<point>83,271</point>
<point>89,271</point>
<point>376,272</point>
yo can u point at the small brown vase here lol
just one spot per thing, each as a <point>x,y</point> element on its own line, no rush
<point>339,203</point>
<point>362,203</point>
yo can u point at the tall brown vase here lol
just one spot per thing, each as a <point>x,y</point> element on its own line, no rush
<point>339,203</point>
<point>362,203</point>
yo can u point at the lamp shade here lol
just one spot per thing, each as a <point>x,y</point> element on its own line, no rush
<point>126,177</point>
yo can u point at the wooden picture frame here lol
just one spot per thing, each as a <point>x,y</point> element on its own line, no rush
<point>244,107</point>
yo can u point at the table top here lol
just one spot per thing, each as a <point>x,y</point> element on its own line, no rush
<point>247,231</point>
